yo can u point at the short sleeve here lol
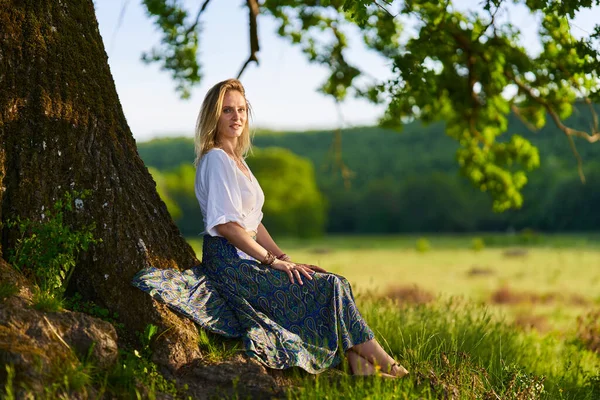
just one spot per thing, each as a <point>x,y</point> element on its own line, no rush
<point>220,191</point>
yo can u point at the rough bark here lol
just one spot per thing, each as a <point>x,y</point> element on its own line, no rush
<point>61,128</point>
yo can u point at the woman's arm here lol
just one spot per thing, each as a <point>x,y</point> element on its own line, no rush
<point>265,240</point>
<point>238,237</point>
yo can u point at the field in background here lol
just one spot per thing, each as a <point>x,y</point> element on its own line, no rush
<point>472,320</point>
<point>544,282</point>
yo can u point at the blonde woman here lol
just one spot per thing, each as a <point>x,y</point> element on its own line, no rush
<point>288,313</point>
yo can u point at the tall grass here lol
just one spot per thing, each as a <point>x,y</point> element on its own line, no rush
<point>456,346</point>
<point>457,349</point>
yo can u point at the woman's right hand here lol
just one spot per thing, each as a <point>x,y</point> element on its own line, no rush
<point>293,270</point>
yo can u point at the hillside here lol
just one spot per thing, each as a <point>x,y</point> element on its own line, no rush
<point>396,177</point>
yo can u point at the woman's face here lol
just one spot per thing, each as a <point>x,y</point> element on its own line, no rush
<point>233,116</point>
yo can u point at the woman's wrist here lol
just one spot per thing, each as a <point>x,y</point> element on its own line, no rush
<point>269,258</point>
<point>283,257</point>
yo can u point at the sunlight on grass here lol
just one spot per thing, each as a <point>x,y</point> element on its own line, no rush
<point>453,346</point>
<point>484,322</point>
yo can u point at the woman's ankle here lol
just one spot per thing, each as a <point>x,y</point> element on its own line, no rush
<point>397,370</point>
<point>359,365</point>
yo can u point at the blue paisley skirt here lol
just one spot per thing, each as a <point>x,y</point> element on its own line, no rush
<point>281,324</point>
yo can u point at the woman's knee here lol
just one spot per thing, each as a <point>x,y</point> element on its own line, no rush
<point>342,279</point>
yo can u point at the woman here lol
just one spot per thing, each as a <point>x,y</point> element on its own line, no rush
<point>289,314</point>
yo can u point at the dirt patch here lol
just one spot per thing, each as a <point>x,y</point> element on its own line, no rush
<point>506,295</point>
<point>588,330</point>
<point>476,271</point>
<point>409,294</point>
<point>532,321</point>
<point>515,253</point>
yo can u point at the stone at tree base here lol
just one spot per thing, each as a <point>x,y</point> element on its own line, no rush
<point>240,376</point>
<point>30,340</point>
<point>9,275</point>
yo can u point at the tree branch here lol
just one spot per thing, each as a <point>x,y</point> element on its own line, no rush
<point>577,157</point>
<point>569,132</point>
<point>591,138</point>
<point>492,20</point>
<point>200,11</point>
<point>594,115</point>
<point>517,112</point>
<point>385,9</point>
<point>336,150</point>
<point>253,11</point>
<point>119,23</point>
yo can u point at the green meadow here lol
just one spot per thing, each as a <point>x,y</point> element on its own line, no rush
<point>492,316</point>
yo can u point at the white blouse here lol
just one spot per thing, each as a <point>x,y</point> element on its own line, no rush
<point>225,194</point>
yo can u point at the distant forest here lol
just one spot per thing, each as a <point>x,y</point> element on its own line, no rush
<point>372,180</point>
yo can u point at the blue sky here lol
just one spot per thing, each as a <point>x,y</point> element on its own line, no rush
<point>282,89</point>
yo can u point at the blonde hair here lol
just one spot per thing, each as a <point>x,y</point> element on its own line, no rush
<point>207,124</point>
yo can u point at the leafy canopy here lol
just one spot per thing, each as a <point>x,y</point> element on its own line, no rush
<point>467,68</point>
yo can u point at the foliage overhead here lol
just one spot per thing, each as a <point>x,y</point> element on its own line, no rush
<point>467,67</point>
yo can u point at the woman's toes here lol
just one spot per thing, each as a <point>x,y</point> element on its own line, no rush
<point>399,371</point>
<point>387,376</point>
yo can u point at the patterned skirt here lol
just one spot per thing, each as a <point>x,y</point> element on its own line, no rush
<point>281,324</point>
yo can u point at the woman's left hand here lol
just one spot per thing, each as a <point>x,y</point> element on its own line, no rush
<point>315,268</point>
<point>293,270</point>
<point>285,257</point>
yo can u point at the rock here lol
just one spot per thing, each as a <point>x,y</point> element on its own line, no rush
<point>9,275</point>
<point>239,377</point>
<point>41,345</point>
<point>83,332</point>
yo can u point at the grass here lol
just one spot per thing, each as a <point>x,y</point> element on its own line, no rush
<point>47,302</point>
<point>7,289</point>
<point>455,347</point>
<point>459,316</point>
<point>217,348</point>
<point>454,316</point>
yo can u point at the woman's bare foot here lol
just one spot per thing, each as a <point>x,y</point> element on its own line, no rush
<point>362,367</point>
<point>398,371</point>
<point>359,365</point>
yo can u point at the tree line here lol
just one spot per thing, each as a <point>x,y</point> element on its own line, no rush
<point>375,180</point>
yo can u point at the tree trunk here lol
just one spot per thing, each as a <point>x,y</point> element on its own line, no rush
<point>62,128</point>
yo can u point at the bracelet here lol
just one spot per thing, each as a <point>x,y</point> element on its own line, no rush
<point>283,257</point>
<point>269,258</point>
